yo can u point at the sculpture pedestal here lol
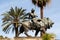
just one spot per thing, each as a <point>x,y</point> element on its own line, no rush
<point>26,38</point>
<point>31,38</point>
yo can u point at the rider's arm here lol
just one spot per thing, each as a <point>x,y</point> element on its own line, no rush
<point>35,15</point>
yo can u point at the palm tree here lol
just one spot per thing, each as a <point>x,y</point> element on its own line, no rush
<point>41,4</point>
<point>12,20</point>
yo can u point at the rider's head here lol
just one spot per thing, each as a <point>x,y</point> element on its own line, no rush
<point>32,11</point>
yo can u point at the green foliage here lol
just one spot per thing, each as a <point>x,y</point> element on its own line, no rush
<point>1,36</point>
<point>47,36</point>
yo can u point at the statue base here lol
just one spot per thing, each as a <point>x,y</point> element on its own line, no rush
<point>25,38</point>
<point>31,38</point>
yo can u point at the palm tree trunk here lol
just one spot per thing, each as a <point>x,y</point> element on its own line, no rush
<point>16,30</point>
<point>41,14</point>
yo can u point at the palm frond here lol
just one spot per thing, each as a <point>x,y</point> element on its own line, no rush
<point>12,12</point>
<point>6,17</point>
<point>4,23</point>
<point>25,16</point>
<point>8,30</point>
<point>22,12</point>
<point>5,27</point>
<point>13,29</point>
<point>5,14</point>
<point>34,2</point>
<point>48,1</point>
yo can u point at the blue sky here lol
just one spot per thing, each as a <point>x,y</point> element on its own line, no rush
<point>52,11</point>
